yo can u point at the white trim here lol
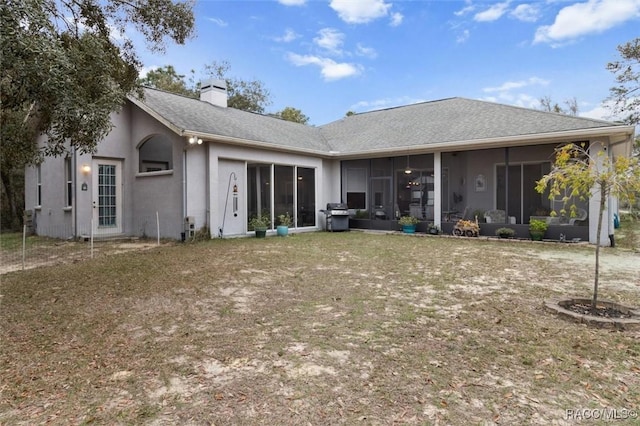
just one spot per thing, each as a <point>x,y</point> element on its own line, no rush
<point>151,174</point>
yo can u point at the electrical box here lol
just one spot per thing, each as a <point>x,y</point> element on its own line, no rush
<point>190,226</point>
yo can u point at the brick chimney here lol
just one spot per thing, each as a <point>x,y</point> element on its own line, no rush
<point>214,91</point>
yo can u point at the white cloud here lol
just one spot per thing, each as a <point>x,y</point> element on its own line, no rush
<point>330,39</point>
<point>142,73</point>
<point>464,36</point>
<point>289,36</point>
<point>511,85</point>
<point>292,2</point>
<point>526,13</point>
<point>360,11</point>
<point>494,13</point>
<point>368,52</point>
<point>600,112</point>
<point>593,16</point>
<point>330,69</point>
<point>396,19</point>
<point>219,22</point>
<point>384,103</point>
<point>606,111</point>
<point>519,99</point>
<point>467,9</point>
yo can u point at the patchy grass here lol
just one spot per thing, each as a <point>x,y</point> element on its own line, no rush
<point>322,328</point>
<point>628,235</point>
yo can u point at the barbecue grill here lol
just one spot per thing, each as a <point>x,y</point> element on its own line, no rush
<point>337,215</point>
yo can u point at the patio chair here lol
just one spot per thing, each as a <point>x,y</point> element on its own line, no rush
<point>454,217</point>
<point>495,216</point>
<point>581,215</point>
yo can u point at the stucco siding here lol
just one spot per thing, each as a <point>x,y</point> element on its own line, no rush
<point>155,192</point>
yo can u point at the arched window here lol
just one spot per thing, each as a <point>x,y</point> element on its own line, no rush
<point>155,154</point>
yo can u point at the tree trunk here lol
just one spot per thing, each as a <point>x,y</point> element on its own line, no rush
<point>8,185</point>
<point>603,199</point>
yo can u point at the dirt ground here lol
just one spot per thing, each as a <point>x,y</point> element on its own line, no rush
<point>322,328</point>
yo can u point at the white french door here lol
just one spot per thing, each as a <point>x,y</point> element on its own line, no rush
<point>107,196</point>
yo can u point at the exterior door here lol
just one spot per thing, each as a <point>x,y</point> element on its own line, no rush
<point>107,197</point>
<point>232,195</point>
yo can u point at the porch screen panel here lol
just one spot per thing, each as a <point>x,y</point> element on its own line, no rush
<point>355,184</point>
<point>382,202</point>
<point>306,196</point>
<point>258,190</point>
<point>523,199</point>
<point>107,207</point>
<point>283,191</point>
<point>514,196</point>
<point>533,201</point>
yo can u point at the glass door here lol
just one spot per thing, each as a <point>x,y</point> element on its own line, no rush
<point>107,197</point>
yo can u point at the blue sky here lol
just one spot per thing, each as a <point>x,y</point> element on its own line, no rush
<point>328,57</point>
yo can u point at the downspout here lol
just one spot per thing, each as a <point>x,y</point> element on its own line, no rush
<point>184,184</point>
<point>74,204</point>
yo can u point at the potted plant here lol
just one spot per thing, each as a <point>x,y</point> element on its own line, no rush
<point>505,232</point>
<point>408,224</point>
<point>433,229</point>
<point>260,224</point>
<point>537,228</point>
<point>284,222</point>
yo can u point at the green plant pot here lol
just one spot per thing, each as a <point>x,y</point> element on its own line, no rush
<point>537,235</point>
<point>282,230</point>
<point>261,232</point>
<point>409,229</point>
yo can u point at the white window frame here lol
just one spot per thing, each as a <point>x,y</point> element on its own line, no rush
<point>68,182</point>
<point>38,186</point>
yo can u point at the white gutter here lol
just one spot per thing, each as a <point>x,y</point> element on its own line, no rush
<point>501,142</point>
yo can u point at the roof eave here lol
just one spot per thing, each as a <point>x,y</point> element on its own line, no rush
<point>247,143</point>
<point>617,134</point>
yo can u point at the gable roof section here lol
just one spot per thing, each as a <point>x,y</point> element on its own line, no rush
<point>191,116</point>
<point>454,124</point>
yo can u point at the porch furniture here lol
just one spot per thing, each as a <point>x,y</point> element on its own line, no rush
<point>454,215</point>
<point>582,215</point>
<point>415,210</point>
<point>495,216</point>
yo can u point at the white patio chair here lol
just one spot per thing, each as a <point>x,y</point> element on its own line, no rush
<point>581,215</point>
<point>495,216</point>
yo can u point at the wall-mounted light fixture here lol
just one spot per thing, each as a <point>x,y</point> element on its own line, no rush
<point>195,140</point>
<point>86,169</point>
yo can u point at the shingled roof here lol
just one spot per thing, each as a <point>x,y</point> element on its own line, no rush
<point>187,115</point>
<point>448,122</point>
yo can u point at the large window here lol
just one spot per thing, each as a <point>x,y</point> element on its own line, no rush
<point>306,197</point>
<point>283,190</point>
<point>273,190</point>
<point>155,154</point>
<point>258,190</point>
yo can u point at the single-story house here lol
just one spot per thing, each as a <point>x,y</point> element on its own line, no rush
<point>173,165</point>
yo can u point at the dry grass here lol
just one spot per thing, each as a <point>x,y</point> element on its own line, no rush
<point>322,328</point>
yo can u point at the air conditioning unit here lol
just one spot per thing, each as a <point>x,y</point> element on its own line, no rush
<point>189,226</point>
